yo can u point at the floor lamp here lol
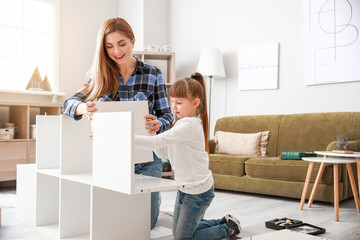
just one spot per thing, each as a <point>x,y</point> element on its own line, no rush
<point>211,65</point>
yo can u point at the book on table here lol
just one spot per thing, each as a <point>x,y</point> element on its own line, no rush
<point>290,155</point>
<point>343,151</point>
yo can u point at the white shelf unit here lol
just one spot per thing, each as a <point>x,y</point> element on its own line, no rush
<point>83,189</point>
<point>21,149</point>
<point>169,68</point>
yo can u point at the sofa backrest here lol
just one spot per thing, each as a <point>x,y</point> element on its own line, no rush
<point>295,132</point>
<point>314,131</point>
<point>253,124</point>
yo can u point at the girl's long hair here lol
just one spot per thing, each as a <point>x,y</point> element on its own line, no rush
<point>104,72</point>
<point>192,88</point>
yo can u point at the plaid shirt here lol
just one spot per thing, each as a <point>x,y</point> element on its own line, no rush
<point>145,83</point>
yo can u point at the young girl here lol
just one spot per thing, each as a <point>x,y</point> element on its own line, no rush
<point>187,149</point>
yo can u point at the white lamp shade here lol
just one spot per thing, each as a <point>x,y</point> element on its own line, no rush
<point>211,63</point>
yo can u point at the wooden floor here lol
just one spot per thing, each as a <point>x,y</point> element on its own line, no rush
<point>252,210</point>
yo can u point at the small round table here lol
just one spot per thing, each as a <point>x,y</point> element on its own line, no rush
<point>349,158</point>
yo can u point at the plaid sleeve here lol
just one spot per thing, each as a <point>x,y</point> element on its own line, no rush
<point>70,105</point>
<point>161,107</point>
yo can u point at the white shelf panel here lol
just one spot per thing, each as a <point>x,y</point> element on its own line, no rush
<point>76,146</point>
<point>139,110</point>
<point>47,200</point>
<point>26,194</point>
<point>33,92</point>
<point>153,184</point>
<point>85,178</point>
<point>28,167</point>
<point>51,230</point>
<point>54,172</point>
<point>81,189</point>
<point>75,207</point>
<point>48,140</point>
<point>83,237</point>
<point>117,215</point>
<point>113,166</point>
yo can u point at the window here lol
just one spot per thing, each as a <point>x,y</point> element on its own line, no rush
<point>27,40</point>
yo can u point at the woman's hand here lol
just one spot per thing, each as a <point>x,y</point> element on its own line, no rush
<point>152,123</point>
<point>87,108</point>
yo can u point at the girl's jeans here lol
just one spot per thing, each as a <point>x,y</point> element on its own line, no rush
<point>188,213</point>
<point>153,169</point>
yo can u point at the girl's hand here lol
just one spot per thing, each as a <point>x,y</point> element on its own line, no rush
<point>87,108</point>
<point>152,123</point>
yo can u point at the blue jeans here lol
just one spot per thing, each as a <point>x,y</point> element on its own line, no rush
<point>153,169</point>
<point>188,222</point>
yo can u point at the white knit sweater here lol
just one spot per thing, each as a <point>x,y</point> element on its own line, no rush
<point>186,151</point>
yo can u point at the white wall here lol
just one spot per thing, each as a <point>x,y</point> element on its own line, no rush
<point>80,21</point>
<point>229,24</point>
<point>133,12</point>
<point>148,19</point>
<point>156,24</point>
<point>79,24</point>
<point>188,26</point>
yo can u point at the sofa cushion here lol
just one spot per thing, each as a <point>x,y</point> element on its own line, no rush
<point>286,170</point>
<point>263,143</point>
<point>237,143</point>
<point>253,124</point>
<point>227,164</point>
<point>251,144</point>
<point>353,146</point>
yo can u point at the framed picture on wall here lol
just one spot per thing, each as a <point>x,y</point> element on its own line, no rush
<point>331,41</point>
<point>258,67</point>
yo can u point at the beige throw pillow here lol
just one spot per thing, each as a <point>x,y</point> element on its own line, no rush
<point>248,144</point>
<point>263,142</point>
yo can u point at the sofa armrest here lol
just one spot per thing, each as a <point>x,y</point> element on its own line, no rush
<point>211,145</point>
<point>354,145</point>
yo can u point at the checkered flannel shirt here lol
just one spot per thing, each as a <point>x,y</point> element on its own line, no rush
<point>145,83</point>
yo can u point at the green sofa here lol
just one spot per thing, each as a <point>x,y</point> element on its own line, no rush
<point>270,175</point>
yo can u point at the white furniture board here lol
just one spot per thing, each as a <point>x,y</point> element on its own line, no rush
<point>47,200</point>
<point>90,190</point>
<point>26,194</point>
<point>51,231</point>
<point>284,235</point>
<point>83,237</point>
<point>55,172</point>
<point>120,216</point>
<point>153,184</point>
<point>85,178</point>
<point>48,141</point>
<point>76,145</point>
<point>140,109</point>
<point>112,151</point>
<point>74,209</point>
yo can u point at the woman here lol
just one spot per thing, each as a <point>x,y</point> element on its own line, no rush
<point>117,75</point>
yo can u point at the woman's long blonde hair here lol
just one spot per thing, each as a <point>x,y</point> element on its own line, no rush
<point>104,72</point>
<point>191,88</point>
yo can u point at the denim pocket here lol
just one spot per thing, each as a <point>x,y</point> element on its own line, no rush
<point>209,193</point>
<point>207,198</point>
